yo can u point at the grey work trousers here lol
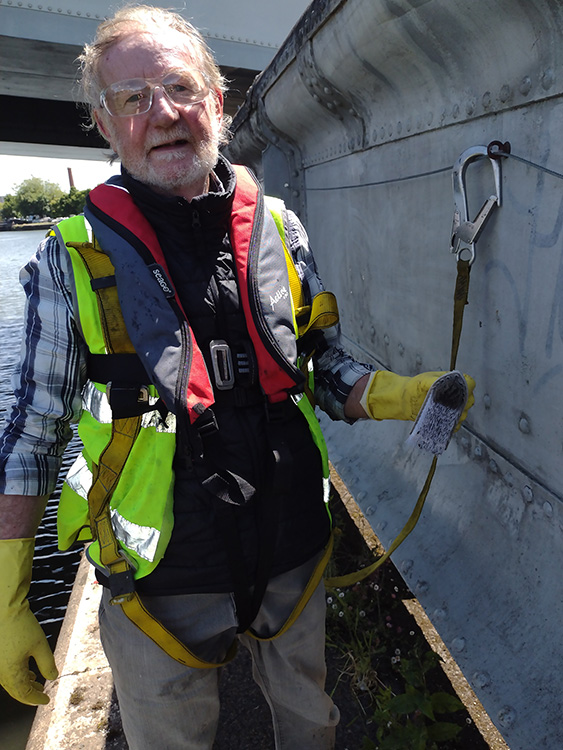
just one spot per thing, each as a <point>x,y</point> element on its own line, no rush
<point>168,706</point>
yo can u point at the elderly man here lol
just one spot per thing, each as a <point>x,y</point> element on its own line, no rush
<point>174,322</point>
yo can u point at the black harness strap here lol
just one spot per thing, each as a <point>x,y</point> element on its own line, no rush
<point>229,491</point>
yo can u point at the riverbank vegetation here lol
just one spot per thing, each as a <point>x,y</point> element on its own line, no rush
<point>39,198</point>
<point>387,680</point>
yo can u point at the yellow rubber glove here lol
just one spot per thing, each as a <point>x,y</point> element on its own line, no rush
<point>22,636</point>
<point>391,396</point>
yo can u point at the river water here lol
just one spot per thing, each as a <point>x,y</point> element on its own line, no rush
<point>53,571</point>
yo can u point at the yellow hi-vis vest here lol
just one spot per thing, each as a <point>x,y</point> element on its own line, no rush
<point>141,505</point>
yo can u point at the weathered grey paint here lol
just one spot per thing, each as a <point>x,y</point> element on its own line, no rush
<point>356,125</point>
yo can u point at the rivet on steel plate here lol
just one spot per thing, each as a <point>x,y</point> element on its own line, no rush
<point>506,716</point>
<point>406,565</point>
<point>548,509</point>
<point>528,494</point>
<point>524,426</point>
<point>482,679</point>
<point>458,644</point>
<point>548,79</point>
<point>525,85</point>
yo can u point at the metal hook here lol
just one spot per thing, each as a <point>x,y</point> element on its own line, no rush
<point>464,231</point>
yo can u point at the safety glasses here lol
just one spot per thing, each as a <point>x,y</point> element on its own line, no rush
<point>135,97</point>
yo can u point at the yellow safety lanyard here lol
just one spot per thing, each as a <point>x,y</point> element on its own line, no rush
<point>460,300</point>
<point>464,235</point>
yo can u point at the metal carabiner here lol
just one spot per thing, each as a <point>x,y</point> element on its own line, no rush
<point>465,232</point>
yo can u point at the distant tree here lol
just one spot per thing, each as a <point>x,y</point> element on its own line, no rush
<point>69,204</point>
<point>9,210</point>
<point>34,196</point>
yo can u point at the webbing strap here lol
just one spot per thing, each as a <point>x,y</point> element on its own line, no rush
<point>312,584</point>
<point>460,300</point>
<point>106,475</point>
<point>137,613</point>
<point>99,266</point>
<point>321,313</point>
<point>352,578</point>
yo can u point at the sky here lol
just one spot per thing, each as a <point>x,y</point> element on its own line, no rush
<point>86,173</point>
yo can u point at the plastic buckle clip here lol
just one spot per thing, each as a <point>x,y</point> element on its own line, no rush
<point>124,399</point>
<point>222,361</point>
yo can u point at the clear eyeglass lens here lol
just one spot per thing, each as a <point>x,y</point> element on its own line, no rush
<point>134,97</point>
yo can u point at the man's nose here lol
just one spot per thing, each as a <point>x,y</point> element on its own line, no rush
<point>162,108</point>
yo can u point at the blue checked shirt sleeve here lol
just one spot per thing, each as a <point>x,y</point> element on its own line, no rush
<point>49,379</point>
<point>336,371</point>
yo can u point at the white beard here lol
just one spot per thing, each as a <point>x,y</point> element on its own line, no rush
<point>172,172</point>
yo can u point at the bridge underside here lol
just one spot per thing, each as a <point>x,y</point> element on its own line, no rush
<point>62,123</point>
<point>38,93</point>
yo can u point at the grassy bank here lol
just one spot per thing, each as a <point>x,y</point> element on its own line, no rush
<point>385,677</point>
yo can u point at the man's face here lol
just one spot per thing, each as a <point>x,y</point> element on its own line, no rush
<point>172,148</point>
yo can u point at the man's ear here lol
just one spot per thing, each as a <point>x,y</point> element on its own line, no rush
<point>219,103</point>
<point>104,132</point>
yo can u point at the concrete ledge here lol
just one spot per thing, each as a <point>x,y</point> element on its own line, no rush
<point>82,711</point>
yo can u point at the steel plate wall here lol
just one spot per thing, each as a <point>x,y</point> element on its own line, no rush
<point>356,124</point>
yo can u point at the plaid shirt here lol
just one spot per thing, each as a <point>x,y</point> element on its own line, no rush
<point>52,372</point>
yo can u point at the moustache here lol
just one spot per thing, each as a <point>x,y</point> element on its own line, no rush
<point>172,136</point>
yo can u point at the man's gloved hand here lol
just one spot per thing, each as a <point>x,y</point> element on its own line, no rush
<point>391,396</point>
<point>22,636</point>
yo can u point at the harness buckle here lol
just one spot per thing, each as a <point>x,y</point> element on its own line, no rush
<point>122,584</point>
<point>207,424</point>
<point>465,232</point>
<point>124,400</point>
<point>222,361</point>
